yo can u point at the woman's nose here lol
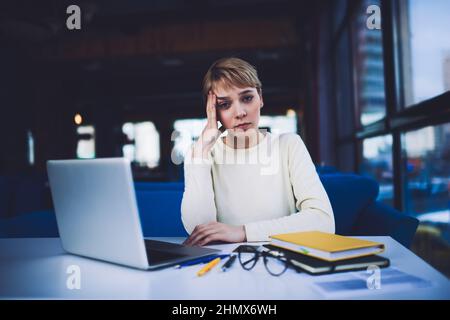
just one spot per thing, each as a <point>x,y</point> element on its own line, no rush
<point>240,111</point>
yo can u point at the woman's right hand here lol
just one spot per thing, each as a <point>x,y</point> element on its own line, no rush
<point>211,132</point>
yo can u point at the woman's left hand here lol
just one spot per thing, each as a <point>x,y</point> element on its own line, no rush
<point>215,231</point>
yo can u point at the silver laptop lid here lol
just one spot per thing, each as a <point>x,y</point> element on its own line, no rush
<point>96,210</point>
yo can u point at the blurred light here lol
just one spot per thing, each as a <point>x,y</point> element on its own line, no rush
<point>30,139</point>
<point>78,119</point>
<point>86,144</point>
<point>128,130</point>
<point>291,113</point>
<point>143,145</point>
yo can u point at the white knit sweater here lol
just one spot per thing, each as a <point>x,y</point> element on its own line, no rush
<point>270,188</point>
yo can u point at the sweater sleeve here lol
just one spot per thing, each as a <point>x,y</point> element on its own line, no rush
<point>314,209</point>
<point>198,204</point>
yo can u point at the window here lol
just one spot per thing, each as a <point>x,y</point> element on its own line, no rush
<point>86,142</point>
<point>391,106</point>
<point>377,163</point>
<point>427,160</point>
<point>368,68</point>
<point>143,144</point>
<point>426,49</point>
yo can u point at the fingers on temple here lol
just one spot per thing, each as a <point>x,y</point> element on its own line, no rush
<point>211,110</point>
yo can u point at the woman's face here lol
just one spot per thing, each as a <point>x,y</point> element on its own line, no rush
<point>237,106</point>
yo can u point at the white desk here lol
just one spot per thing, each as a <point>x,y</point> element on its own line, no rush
<point>36,269</point>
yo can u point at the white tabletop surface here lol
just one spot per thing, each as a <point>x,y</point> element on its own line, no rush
<point>36,268</point>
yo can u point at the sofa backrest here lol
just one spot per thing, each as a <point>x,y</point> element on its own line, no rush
<point>159,211</point>
<point>349,195</point>
<point>160,203</point>
<point>158,186</point>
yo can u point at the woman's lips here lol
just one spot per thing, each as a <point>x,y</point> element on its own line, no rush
<point>244,126</point>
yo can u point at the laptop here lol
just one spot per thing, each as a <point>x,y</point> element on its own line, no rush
<point>98,217</point>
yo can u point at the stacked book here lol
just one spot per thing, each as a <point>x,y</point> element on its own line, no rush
<point>321,253</point>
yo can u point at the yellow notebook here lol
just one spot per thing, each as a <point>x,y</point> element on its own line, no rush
<point>326,246</point>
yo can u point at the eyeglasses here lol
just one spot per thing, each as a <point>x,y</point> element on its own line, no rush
<point>275,262</point>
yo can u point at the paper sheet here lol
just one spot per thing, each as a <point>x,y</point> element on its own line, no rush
<point>368,282</point>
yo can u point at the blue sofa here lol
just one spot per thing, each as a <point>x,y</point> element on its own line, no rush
<point>353,198</point>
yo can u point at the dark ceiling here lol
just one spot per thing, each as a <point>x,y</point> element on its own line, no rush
<point>141,55</point>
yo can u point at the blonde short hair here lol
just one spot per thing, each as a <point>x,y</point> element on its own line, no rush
<point>231,72</point>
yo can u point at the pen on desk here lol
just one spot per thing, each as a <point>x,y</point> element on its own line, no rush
<point>229,263</point>
<point>208,267</point>
<point>200,260</point>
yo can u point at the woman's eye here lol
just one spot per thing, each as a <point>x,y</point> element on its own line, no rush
<point>248,98</point>
<point>223,105</point>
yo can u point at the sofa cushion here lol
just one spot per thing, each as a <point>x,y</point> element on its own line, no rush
<point>349,194</point>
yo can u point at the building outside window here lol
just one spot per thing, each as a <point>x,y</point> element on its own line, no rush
<point>426,49</point>
<point>427,159</point>
<point>368,67</point>
<point>377,164</point>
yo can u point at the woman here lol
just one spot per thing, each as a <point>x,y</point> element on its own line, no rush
<point>233,198</point>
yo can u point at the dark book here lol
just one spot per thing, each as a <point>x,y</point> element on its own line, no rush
<point>315,266</point>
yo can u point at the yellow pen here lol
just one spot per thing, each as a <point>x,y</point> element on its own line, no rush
<point>208,267</point>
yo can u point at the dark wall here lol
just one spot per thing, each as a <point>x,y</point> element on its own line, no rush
<point>132,63</point>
